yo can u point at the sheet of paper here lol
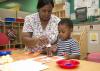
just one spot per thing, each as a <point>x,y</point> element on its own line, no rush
<point>48,59</point>
<point>24,65</point>
<point>56,58</point>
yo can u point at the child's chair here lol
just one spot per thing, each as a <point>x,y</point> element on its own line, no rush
<point>81,37</point>
<point>4,40</point>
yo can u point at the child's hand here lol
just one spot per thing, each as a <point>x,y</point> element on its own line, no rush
<point>66,56</point>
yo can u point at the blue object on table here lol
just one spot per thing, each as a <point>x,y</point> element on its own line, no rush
<point>68,65</point>
<point>5,53</point>
<point>10,19</point>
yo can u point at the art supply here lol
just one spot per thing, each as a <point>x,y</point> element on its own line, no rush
<point>49,52</point>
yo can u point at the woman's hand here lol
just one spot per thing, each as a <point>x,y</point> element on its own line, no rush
<point>33,41</point>
<point>43,41</point>
<point>66,56</point>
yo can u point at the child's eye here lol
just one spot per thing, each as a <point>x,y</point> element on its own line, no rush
<point>63,32</point>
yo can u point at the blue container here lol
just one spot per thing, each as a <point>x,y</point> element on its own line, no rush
<point>5,53</point>
<point>10,19</point>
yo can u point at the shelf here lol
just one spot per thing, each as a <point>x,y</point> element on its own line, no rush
<point>59,10</point>
<point>17,28</point>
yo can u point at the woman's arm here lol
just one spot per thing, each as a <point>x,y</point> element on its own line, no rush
<point>28,40</point>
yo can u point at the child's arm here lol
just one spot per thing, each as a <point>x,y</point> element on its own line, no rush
<point>72,56</point>
<point>75,51</point>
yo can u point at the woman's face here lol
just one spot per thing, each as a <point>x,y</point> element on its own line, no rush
<point>64,32</point>
<point>45,12</point>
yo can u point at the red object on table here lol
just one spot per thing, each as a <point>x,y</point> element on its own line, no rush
<point>4,39</point>
<point>68,64</point>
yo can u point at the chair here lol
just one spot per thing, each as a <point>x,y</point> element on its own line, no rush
<point>81,37</point>
<point>4,40</point>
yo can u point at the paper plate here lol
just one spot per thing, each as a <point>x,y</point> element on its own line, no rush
<point>68,64</point>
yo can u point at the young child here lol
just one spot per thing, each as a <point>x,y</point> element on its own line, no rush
<point>66,45</point>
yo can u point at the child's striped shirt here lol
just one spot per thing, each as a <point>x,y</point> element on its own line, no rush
<point>70,47</point>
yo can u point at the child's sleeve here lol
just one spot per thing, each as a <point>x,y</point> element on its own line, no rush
<point>75,48</point>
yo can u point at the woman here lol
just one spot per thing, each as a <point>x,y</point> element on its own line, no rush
<point>41,27</point>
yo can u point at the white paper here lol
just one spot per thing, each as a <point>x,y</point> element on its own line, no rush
<point>93,38</point>
<point>24,65</point>
<point>92,6</point>
<point>79,3</point>
<point>49,59</point>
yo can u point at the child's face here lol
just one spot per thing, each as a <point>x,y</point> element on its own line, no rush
<point>64,32</point>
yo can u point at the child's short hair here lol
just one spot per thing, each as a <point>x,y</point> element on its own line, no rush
<point>67,22</point>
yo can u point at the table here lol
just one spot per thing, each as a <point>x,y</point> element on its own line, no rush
<point>84,65</point>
